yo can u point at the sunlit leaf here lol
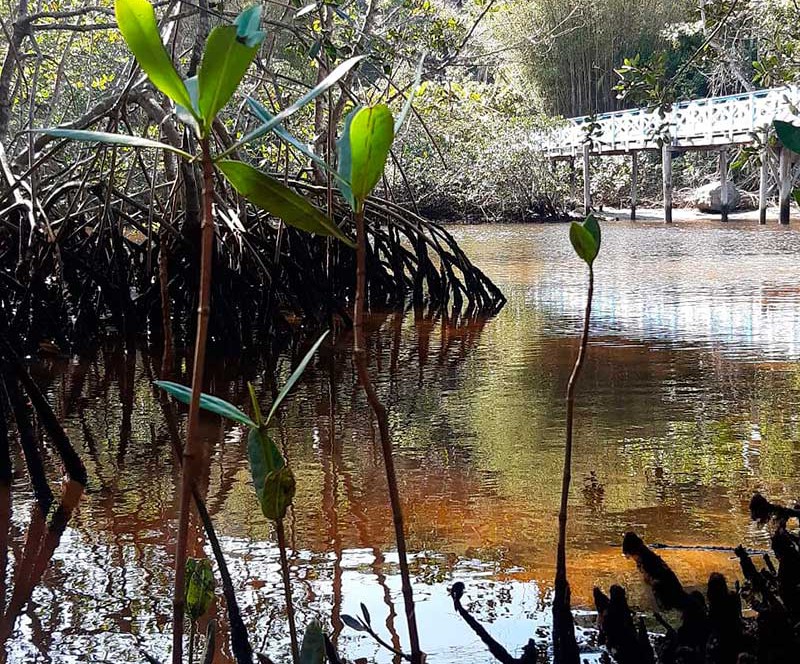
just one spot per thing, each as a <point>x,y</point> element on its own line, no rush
<point>312,651</point>
<point>326,83</point>
<point>225,61</point>
<point>137,23</point>
<point>279,200</point>
<point>371,136</point>
<point>295,376</point>
<point>585,239</point>
<point>207,402</point>
<point>124,140</point>
<point>199,586</point>
<point>788,134</point>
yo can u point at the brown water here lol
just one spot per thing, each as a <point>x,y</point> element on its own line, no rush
<point>689,403</point>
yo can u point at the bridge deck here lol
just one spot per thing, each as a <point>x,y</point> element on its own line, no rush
<point>702,123</point>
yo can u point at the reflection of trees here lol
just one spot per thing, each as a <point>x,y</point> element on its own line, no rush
<point>117,563</point>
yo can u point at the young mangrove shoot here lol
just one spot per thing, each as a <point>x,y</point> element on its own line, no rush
<point>585,239</point>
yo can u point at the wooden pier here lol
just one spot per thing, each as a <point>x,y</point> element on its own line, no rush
<point>711,124</point>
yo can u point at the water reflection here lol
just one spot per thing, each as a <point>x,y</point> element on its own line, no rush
<point>689,403</point>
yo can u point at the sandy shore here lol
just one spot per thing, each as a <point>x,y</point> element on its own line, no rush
<point>690,214</point>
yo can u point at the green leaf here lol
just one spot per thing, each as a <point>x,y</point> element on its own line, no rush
<point>124,140</point>
<point>591,224</point>
<point>326,83</point>
<point>371,136</point>
<point>277,199</point>
<point>199,586</point>
<point>295,376</point>
<point>407,106</point>
<point>207,402</point>
<point>279,489</point>
<point>137,23</point>
<point>788,134</point>
<point>264,455</point>
<point>189,115</point>
<point>254,401</point>
<point>225,61</point>
<point>313,649</point>
<point>265,116</point>
<point>585,239</point>
<point>345,159</point>
<point>272,480</point>
<point>247,24</point>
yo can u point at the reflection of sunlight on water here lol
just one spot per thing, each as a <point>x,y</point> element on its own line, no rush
<point>688,403</point>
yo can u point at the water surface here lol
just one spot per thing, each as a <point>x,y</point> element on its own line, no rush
<point>689,403</point>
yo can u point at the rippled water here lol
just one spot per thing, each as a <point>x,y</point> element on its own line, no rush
<point>689,403</point>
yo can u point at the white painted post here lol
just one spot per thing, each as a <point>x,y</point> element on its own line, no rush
<point>784,184</point>
<point>587,185</point>
<point>723,179</point>
<point>666,167</point>
<point>573,180</point>
<point>763,186</point>
<point>634,181</point>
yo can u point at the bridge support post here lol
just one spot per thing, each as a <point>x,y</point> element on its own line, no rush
<point>573,180</point>
<point>723,179</point>
<point>666,167</point>
<point>784,184</point>
<point>634,181</point>
<point>763,186</point>
<point>587,182</point>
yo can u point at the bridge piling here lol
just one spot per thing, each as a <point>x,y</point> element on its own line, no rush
<point>723,178</point>
<point>634,182</point>
<point>784,184</point>
<point>763,186</point>
<point>587,184</point>
<point>666,167</point>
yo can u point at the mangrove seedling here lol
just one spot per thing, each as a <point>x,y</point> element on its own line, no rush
<point>363,149</point>
<point>273,480</point>
<point>585,239</point>
<point>229,51</point>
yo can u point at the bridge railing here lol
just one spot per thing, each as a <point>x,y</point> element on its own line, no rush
<point>709,122</point>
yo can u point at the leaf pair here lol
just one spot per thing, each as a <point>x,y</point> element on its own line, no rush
<point>228,53</point>
<point>585,239</point>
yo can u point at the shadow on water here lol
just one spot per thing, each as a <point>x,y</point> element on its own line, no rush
<point>688,405</point>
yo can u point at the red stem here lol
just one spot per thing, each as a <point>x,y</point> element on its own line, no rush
<point>191,452</point>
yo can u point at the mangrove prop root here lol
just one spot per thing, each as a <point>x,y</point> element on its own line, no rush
<point>107,271</point>
<point>713,627</point>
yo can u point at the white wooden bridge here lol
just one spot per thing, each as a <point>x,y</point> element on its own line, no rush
<point>711,124</point>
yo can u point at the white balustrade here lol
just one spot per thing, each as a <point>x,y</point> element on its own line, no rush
<point>709,122</point>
